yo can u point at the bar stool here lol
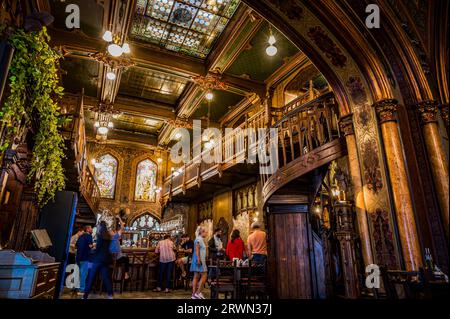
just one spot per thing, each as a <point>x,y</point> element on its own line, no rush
<point>138,267</point>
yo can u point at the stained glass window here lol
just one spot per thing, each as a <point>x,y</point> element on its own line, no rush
<point>187,26</point>
<point>145,223</point>
<point>105,175</point>
<point>145,189</point>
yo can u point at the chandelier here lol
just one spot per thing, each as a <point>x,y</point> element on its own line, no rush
<point>115,57</point>
<point>104,113</point>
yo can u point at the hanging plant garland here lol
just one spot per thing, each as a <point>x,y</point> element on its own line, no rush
<point>34,89</point>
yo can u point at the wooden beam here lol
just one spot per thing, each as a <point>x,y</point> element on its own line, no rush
<point>136,107</point>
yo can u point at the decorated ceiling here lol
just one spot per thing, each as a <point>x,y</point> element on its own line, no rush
<point>186,26</point>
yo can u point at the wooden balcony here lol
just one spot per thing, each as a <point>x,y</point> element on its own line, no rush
<point>308,137</point>
<point>235,146</point>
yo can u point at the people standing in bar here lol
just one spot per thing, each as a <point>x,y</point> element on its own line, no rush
<point>101,260</point>
<point>84,245</point>
<point>257,244</point>
<point>198,265</point>
<point>116,249</point>
<point>72,245</point>
<point>215,245</point>
<point>165,249</point>
<point>236,246</point>
<point>187,246</point>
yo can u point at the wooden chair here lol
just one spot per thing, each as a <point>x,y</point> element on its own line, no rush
<point>399,284</point>
<point>151,271</point>
<point>253,282</point>
<point>118,276</point>
<point>224,280</point>
<point>138,269</point>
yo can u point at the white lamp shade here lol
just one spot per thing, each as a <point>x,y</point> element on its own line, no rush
<point>209,96</point>
<point>126,48</point>
<point>102,130</point>
<point>111,76</point>
<point>107,36</point>
<point>272,40</point>
<point>115,50</point>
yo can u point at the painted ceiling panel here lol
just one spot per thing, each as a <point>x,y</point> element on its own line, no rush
<point>152,85</point>
<point>255,63</point>
<point>186,26</point>
<point>220,105</point>
<point>80,73</point>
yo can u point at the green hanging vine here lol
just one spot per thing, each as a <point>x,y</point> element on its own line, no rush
<point>34,90</point>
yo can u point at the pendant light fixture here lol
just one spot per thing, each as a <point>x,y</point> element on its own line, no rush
<point>271,50</point>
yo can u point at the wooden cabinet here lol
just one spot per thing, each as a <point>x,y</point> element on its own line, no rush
<point>22,276</point>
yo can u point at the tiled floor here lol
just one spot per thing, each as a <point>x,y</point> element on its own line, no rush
<point>175,294</point>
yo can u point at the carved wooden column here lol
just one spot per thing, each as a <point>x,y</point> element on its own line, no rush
<point>430,129</point>
<point>346,126</point>
<point>345,234</point>
<point>412,255</point>
<point>444,115</point>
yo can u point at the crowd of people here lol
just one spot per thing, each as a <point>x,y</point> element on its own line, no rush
<point>95,257</point>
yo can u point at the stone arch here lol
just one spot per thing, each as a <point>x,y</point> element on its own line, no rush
<point>359,77</point>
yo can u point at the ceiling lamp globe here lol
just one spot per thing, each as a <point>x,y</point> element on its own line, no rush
<point>111,76</point>
<point>102,130</point>
<point>271,50</point>
<point>209,96</point>
<point>107,36</point>
<point>115,50</point>
<point>126,48</point>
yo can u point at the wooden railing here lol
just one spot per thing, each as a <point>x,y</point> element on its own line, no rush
<point>74,133</point>
<point>89,188</point>
<point>308,137</point>
<point>305,132</point>
<point>235,146</point>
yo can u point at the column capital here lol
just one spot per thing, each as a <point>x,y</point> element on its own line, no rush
<point>386,110</point>
<point>427,111</point>
<point>346,125</point>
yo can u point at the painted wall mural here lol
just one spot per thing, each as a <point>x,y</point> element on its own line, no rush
<point>106,175</point>
<point>145,189</point>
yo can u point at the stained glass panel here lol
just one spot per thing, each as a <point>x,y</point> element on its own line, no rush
<point>188,26</point>
<point>145,189</point>
<point>145,223</point>
<point>105,175</point>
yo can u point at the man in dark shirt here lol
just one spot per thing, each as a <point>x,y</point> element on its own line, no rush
<point>84,245</point>
<point>186,246</point>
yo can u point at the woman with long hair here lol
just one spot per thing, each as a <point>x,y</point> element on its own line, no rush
<point>101,260</point>
<point>235,247</point>
<point>198,265</point>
